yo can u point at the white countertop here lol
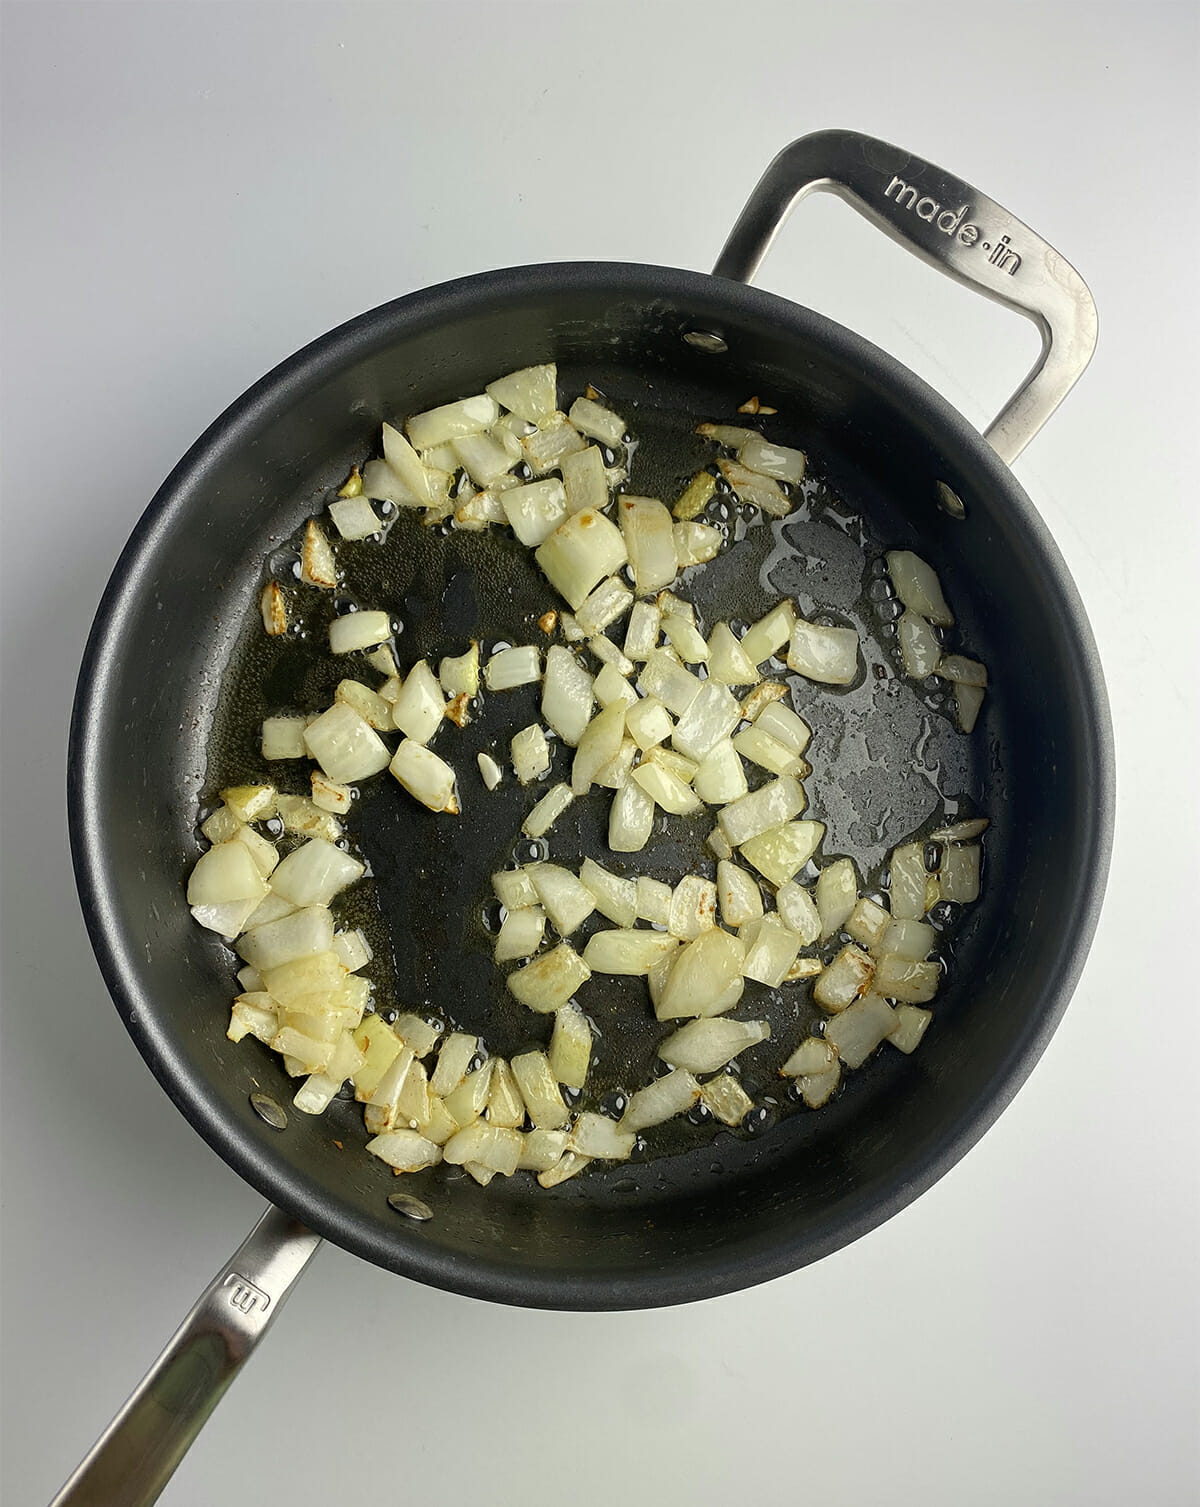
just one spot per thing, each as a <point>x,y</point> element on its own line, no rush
<point>191,193</point>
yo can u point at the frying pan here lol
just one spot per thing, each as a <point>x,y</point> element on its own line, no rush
<point>168,654</point>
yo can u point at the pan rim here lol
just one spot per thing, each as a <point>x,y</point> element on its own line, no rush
<point>729,1267</point>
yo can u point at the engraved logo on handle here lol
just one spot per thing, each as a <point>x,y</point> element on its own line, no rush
<point>954,224</point>
<point>244,1295</point>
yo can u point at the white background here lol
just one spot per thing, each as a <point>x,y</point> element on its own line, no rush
<point>192,192</point>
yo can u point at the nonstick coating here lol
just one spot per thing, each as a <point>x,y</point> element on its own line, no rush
<point>687,1226</point>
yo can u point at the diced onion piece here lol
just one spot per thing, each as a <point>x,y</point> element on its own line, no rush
<point>781,852</point>
<point>283,737</point>
<point>728,663</point>
<point>353,949</point>
<point>539,1089</point>
<point>467,1102</point>
<point>836,892</point>
<point>584,480</point>
<point>959,873</point>
<point>608,654</point>
<point>548,810</point>
<point>414,1104</point>
<point>695,497</point>
<point>769,634</point>
<point>567,695</point>
<point>535,510</point>
<point>529,393</point>
<point>264,853</point>
<point>902,979</point>
<point>580,553</point>
<point>968,701</point>
<point>274,609</point>
<point>542,1150</point>
<point>460,676</point>
<point>727,1099</point>
<point>817,1089</point>
<point>721,777</point>
<point>666,679</point>
<point>249,979</point>
<point>685,638</point>
<point>300,814</point>
<point>848,976</point>
<point>867,923</point>
<point>439,1125</point>
<point>570,1047</point>
<point>405,1150</point>
<point>380,1047</point>
<point>250,803</point>
<point>253,1015</point>
<point>486,460</point>
<point>358,630</point>
<point>739,894</point>
<point>596,421</point>
<point>570,1164</point>
<point>566,901</point>
<point>648,722</point>
<point>767,752</point>
<point>732,435</point>
<point>301,934</point>
<point>489,771</point>
<point>919,646</point>
<point>493,1148</point>
<point>782,724</point>
<point>521,665</point>
<point>777,461</point>
<point>963,671</point>
<point>225,875</point>
<point>226,919</point>
<point>452,420</point>
<point>858,1030</point>
<point>763,809</point>
<point>530,753</point>
<point>910,1025</point>
<point>914,940</point>
<point>382,1112</point>
<point>705,1046</point>
<point>772,954</point>
<point>417,1034</point>
<point>550,444</point>
<point>317,567</point>
<point>693,907</point>
<point>711,717</point>
<point>475,511</point>
<point>756,490</point>
<point>630,819</point>
<point>672,1094</point>
<point>599,745</point>
<point>610,685</point>
<point>962,831</point>
<point>647,529</point>
<point>453,1061</point>
<point>641,634</point>
<point>505,1106</point>
<point>598,1137</point>
<point>369,705</point>
<point>615,897</point>
<point>762,696</point>
<point>653,900</point>
<point>826,655</point>
<point>520,934</point>
<point>310,1055</point>
<point>906,889</point>
<point>696,544</point>
<point>918,587</point>
<point>354,517</point>
<point>705,979</point>
<point>315,873</point>
<point>547,983</point>
<point>419,481</point>
<point>665,789</point>
<point>427,778</point>
<point>814,1055</point>
<point>602,607</point>
<point>345,745</point>
<point>616,772</point>
<point>380,482</point>
<point>514,888</point>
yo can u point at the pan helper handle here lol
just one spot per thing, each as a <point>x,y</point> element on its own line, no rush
<point>137,1454</point>
<point>953,227</point>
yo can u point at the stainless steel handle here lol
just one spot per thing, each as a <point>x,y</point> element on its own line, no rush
<point>953,227</point>
<point>137,1454</point>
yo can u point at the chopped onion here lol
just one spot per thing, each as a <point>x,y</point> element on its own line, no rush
<point>264,853</point>
<point>358,630</point>
<point>353,949</point>
<point>711,717</point>
<point>598,1137</point>
<point>858,1030</point>
<point>902,979</point>
<point>514,888</point>
<point>906,888</point>
<point>253,1015</point>
<point>570,1164</point>
<point>418,709</point>
<point>486,460</point>
<point>250,803</point>
<point>827,655</point>
<point>705,1046</point>
<point>315,873</point>
<point>650,541</point>
<point>224,875</point>
<point>721,776</point>
<point>570,1047</point>
<point>345,745</point>
<point>529,393</point>
<point>959,873</point>
<point>521,665</point>
<point>585,480</point>
<point>755,490</point>
<point>489,771</point>
<point>599,745</point>
<point>300,934</point>
<point>380,1047</point>
<point>914,940</point>
<point>695,497</point>
<point>665,789</point>
<point>567,695</point>
<point>648,722</point>
<point>782,724</point>
<point>548,810</point>
<point>630,819</point>
<point>777,461</point>
<point>968,700</point>
<point>768,752</point>
<point>705,979</point>
<point>739,894</point>
<point>460,676</point>
<point>615,897</point>
<point>369,705</point>
<point>379,481</point>
<point>962,831</point>
<point>919,646</point>
<point>616,772</point>
<point>666,679</point>
<point>816,1089</point>
<point>848,976</point>
<point>494,1148</point>
<point>910,1025</point>
<point>693,907</point>
<point>602,607</point>
<point>867,923</point>
<point>653,900</point>
<point>728,663</point>
<point>539,1089</point>
<point>274,609</point>
<point>417,1034</point>
<point>836,892</point>
<point>454,1059</point>
<point>814,1055</point>
<point>467,1102</point>
<point>520,934</point>
<point>452,420</point>
<point>761,697</point>
<point>641,633</point>
<point>566,901</point>
<point>732,435</point>
<point>427,778</point>
<point>354,518</point>
<point>631,953</point>
<point>505,1106</point>
<point>686,639</point>
<point>772,953</point>
<point>918,587</point>
<point>696,544</point>
<point>963,671</point>
<point>763,809</point>
<point>317,566</point>
<point>227,919</point>
<point>580,553</point>
<point>610,685</point>
<point>300,814</point>
<point>550,444</point>
<point>405,1150</point>
<point>781,852</point>
<point>542,1150</point>
<point>530,753</point>
<point>727,1099</point>
<point>283,737</point>
<point>535,510</point>
<point>769,634</point>
<point>672,1094</point>
<point>598,422</point>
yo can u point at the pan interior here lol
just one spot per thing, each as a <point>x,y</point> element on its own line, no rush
<point>185,680</point>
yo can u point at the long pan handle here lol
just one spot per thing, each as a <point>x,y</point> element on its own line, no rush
<point>954,228</point>
<point>137,1454</point>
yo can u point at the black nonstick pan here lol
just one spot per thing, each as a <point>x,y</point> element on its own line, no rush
<point>172,679</point>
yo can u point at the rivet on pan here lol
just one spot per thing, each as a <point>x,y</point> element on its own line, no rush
<point>410,1207</point>
<point>949,501</point>
<point>706,340</point>
<point>267,1109</point>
